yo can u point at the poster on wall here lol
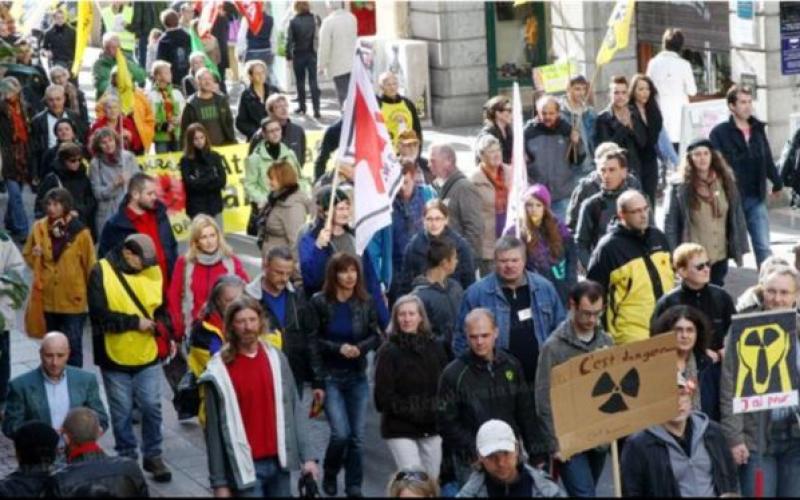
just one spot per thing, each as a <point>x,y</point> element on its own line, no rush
<point>743,26</point>
<point>698,118</point>
<point>790,37</point>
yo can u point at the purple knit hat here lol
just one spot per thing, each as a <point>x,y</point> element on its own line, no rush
<point>540,192</point>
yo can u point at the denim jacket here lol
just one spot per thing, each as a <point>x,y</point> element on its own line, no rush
<point>546,308</point>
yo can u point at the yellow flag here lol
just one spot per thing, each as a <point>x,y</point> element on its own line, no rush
<point>619,27</point>
<point>83,32</point>
<point>124,84</point>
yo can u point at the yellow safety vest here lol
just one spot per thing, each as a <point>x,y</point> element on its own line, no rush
<point>116,22</point>
<point>134,347</point>
<point>397,118</point>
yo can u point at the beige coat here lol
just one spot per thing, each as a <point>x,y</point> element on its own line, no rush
<point>486,190</point>
<point>284,222</point>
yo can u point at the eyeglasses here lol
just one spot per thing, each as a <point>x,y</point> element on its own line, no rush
<point>702,265</point>
<point>412,475</point>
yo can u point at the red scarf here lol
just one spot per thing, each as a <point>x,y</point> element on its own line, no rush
<point>82,449</point>
<point>500,188</point>
<point>18,120</point>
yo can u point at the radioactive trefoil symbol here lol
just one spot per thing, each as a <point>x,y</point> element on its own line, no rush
<point>762,356</point>
<point>605,385</point>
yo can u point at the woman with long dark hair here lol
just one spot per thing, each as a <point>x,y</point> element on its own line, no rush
<point>646,116</point>
<point>204,174</point>
<point>344,326</point>
<point>703,205</point>
<point>407,370</point>
<point>550,247</point>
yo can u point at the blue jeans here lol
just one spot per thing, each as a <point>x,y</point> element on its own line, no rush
<point>143,387</point>
<point>16,220</point>
<point>755,213</point>
<point>271,481</point>
<point>302,64</point>
<point>581,473</point>
<point>346,398</point>
<point>70,325</point>
<point>781,472</point>
<point>718,272</point>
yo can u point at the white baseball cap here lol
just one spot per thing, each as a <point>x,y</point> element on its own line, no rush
<point>494,436</point>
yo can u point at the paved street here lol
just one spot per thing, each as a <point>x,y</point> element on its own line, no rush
<point>184,449</point>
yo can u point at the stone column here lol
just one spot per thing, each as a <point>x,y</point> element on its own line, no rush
<point>577,30</point>
<point>391,19</point>
<point>456,36</point>
<point>776,96</point>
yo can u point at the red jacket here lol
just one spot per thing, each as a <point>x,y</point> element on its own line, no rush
<point>134,144</point>
<point>202,279</point>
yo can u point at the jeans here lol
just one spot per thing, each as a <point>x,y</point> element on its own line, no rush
<point>16,220</point>
<point>346,398</point>
<point>581,473</point>
<point>144,388</point>
<point>342,83</point>
<point>415,453</point>
<point>5,366</point>
<point>718,272</point>
<point>141,50</point>
<point>306,63</point>
<point>781,473</point>
<point>755,213</point>
<point>559,208</point>
<point>70,325</point>
<point>271,481</point>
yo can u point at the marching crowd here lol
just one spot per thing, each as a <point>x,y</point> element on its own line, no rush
<point>466,307</point>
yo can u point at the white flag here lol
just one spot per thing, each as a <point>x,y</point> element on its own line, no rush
<point>365,144</point>
<point>515,211</point>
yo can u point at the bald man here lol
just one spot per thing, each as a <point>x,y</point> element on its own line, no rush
<point>49,391</point>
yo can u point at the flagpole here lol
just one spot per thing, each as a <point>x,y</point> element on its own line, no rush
<point>332,201</point>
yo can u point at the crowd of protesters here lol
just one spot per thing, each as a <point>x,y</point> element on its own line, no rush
<point>461,325</point>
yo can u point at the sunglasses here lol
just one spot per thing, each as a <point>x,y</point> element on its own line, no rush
<point>412,475</point>
<point>702,265</point>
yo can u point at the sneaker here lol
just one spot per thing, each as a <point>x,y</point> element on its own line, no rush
<point>158,468</point>
<point>329,485</point>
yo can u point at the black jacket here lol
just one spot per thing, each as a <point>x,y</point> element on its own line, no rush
<point>506,143</point>
<point>715,302</point>
<point>26,482</point>
<point>593,222</point>
<point>472,391</point>
<point>302,35</point>
<point>608,128</point>
<point>145,17</point>
<point>751,161</point>
<point>174,46</point>
<point>366,331</point>
<point>442,306</point>
<point>60,40</point>
<point>79,186</point>
<point>415,260</point>
<point>407,369</point>
<point>204,177</point>
<point>98,474</point>
<point>646,469</point>
<point>329,144</point>
<point>587,187</point>
<point>39,134</point>
<point>252,110</point>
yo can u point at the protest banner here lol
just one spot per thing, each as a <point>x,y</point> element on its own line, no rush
<point>554,78</point>
<point>698,118</point>
<point>607,394</point>
<point>236,208</point>
<point>765,349</point>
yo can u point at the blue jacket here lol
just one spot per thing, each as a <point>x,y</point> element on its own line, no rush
<point>546,307</point>
<point>313,261</point>
<point>119,227</point>
<point>27,399</point>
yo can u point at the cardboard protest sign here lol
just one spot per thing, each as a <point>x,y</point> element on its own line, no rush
<point>765,353</point>
<point>611,393</point>
<point>554,78</point>
<point>236,208</point>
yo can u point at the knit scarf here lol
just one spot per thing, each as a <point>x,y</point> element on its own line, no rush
<point>18,121</point>
<point>209,259</point>
<point>500,189</point>
<point>83,449</point>
<point>706,192</point>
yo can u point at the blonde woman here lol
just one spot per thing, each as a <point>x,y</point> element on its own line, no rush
<point>208,258</point>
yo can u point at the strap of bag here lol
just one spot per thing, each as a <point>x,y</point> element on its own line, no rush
<point>132,295</point>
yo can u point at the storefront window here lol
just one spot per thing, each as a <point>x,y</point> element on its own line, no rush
<point>516,39</point>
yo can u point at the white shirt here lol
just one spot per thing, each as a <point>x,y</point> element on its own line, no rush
<point>674,80</point>
<point>57,398</point>
<point>51,123</point>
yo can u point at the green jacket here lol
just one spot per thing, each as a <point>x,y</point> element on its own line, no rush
<point>101,73</point>
<point>256,182</point>
<point>157,101</point>
<point>27,399</point>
